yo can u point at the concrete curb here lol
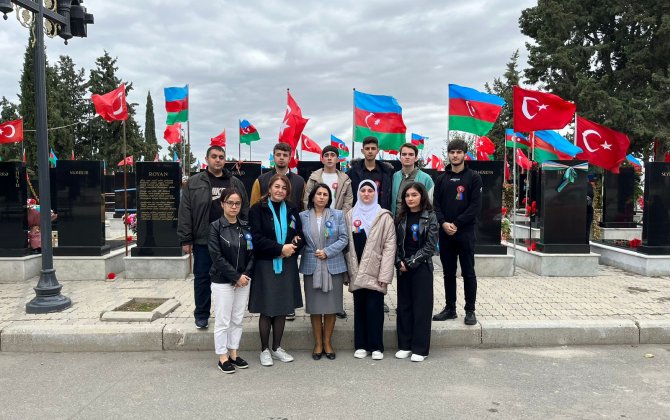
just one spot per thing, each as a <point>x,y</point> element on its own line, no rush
<point>654,331</point>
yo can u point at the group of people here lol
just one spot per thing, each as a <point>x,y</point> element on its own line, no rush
<point>359,230</point>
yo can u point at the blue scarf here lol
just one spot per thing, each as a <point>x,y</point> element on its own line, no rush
<point>280,232</point>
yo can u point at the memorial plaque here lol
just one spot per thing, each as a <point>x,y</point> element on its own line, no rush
<point>618,199</point>
<point>563,213</point>
<point>656,217</point>
<point>158,185</point>
<point>79,201</point>
<point>490,216</point>
<point>247,172</point>
<point>13,197</point>
<point>119,205</point>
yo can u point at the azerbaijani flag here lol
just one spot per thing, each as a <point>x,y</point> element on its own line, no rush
<point>472,111</point>
<point>176,104</point>
<point>634,162</point>
<point>175,157</point>
<point>549,145</point>
<point>379,116</point>
<point>248,132</point>
<point>339,145</point>
<point>418,141</point>
<point>521,141</point>
<point>272,160</point>
<point>52,157</point>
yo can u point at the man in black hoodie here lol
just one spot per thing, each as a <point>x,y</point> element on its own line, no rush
<point>457,199</point>
<point>380,173</point>
<point>197,209</point>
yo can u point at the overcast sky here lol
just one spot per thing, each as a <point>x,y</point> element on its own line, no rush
<point>239,57</point>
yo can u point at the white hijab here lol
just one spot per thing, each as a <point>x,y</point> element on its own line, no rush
<point>366,213</point>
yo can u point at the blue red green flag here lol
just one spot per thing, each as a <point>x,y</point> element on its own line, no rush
<point>418,141</point>
<point>248,132</point>
<point>379,116</point>
<point>176,104</point>
<point>472,111</point>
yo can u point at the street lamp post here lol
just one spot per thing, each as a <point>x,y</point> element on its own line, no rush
<point>69,18</point>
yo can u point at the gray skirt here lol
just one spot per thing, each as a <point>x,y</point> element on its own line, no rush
<point>318,302</point>
<point>275,294</point>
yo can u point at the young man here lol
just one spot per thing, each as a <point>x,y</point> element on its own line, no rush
<point>457,200</point>
<point>282,156</point>
<point>409,154</point>
<point>338,182</point>
<point>197,209</point>
<point>370,168</point>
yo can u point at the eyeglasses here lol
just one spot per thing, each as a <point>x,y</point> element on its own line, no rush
<point>233,203</point>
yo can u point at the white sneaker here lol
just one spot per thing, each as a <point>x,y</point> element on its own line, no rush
<point>361,354</point>
<point>402,354</point>
<point>418,358</point>
<point>377,355</point>
<point>281,355</point>
<point>266,358</point>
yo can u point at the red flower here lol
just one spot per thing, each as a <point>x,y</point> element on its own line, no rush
<point>504,211</point>
<point>111,276</point>
<point>129,238</point>
<point>532,247</point>
<point>634,243</point>
<point>528,209</point>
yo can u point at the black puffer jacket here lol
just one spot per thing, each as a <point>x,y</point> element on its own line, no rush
<point>428,237</point>
<point>228,248</point>
<point>358,175</point>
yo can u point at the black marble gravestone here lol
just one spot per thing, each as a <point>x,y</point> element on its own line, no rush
<point>618,199</point>
<point>158,185</point>
<point>119,205</point>
<point>247,172</point>
<point>563,213</point>
<point>79,201</point>
<point>490,217</point>
<point>656,217</point>
<point>13,196</point>
<point>109,192</point>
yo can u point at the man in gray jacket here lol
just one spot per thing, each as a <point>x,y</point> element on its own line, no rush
<point>199,206</point>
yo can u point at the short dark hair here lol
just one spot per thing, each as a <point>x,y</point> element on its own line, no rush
<point>275,178</point>
<point>312,194</point>
<point>371,139</point>
<point>284,147</point>
<point>457,144</point>
<point>409,146</point>
<point>330,148</point>
<point>228,192</point>
<point>425,202</point>
<point>219,148</point>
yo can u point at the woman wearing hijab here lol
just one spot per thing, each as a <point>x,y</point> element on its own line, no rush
<point>275,290</point>
<point>323,266</point>
<point>370,259</point>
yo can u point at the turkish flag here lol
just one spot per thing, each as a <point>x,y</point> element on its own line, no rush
<point>112,106</point>
<point>219,140</point>
<point>535,110</point>
<point>172,133</point>
<point>485,145</point>
<point>293,123</point>
<point>522,160</point>
<point>11,131</point>
<point>602,146</point>
<point>435,163</point>
<point>482,156</point>
<point>127,161</point>
<point>309,145</point>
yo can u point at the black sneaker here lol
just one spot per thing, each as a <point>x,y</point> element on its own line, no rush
<point>470,318</point>
<point>386,308</point>
<point>290,317</point>
<point>239,363</point>
<point>341,315</point>
<point>226,367</point>
<point>447,313</point>
<point>201,323</point>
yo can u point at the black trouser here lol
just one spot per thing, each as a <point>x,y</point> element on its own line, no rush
<point>368,320</point>
<point>415,306</point>
<point>202,285</point>
<point>461,245</point>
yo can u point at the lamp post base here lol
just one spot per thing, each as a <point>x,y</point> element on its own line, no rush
<point>47,295</point>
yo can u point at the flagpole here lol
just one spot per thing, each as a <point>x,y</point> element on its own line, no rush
<point>183,153</point>
<point>447,119</point>
<point>574,137</point>
<point>188,133</point>
<point>514,181</point>
<point>353,125</point>
<point>239,141</point>
<point>125,188</point>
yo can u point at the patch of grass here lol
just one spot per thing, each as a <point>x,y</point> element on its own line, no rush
<point>141,305</point>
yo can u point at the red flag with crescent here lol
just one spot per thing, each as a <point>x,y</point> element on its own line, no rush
<point>11,131</point>
<point>602,146</point>
<point>112,106</point>
<point>535,110</point>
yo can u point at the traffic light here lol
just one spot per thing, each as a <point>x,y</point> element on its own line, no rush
<point>76,17</point>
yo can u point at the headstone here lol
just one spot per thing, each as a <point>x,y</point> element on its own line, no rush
<point>247,172</point>
<point>80,204</point>
<point>13,197</point>
<point>488,232</point>
<point>119,204</point>
<point>158,186</point>
<point>618,199</point>
<point>563,213</point>
<point>656,218</point>
<point>109,192</point>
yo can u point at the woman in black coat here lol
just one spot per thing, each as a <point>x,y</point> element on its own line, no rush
<point>275,291</point>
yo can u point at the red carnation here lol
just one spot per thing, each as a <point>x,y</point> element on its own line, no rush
<point>504,211</point>
<point>111,276</point>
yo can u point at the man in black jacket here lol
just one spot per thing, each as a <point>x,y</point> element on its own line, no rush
<point>281,153</point>
<point>369,168</point>
<point>457,200</point>
<point>197,209</point>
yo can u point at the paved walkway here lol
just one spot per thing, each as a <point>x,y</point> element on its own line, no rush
<point>612,295</point>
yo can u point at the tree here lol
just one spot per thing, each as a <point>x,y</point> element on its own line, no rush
<point>611,57</point>
<point>503,88</point>
<point>9,112</point>
<point>150,141</point>
<point>70,93</point>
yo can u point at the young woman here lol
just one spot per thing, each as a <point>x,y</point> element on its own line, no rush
<point>323,266</point>
<point>370,258</point>
<point>230,246</point>
<point>275,290</point>
<point>417,234</point>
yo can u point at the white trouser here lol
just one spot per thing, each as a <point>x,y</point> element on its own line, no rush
<point>229,303</point>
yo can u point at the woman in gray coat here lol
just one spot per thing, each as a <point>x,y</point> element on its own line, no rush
<point>323,266</point>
